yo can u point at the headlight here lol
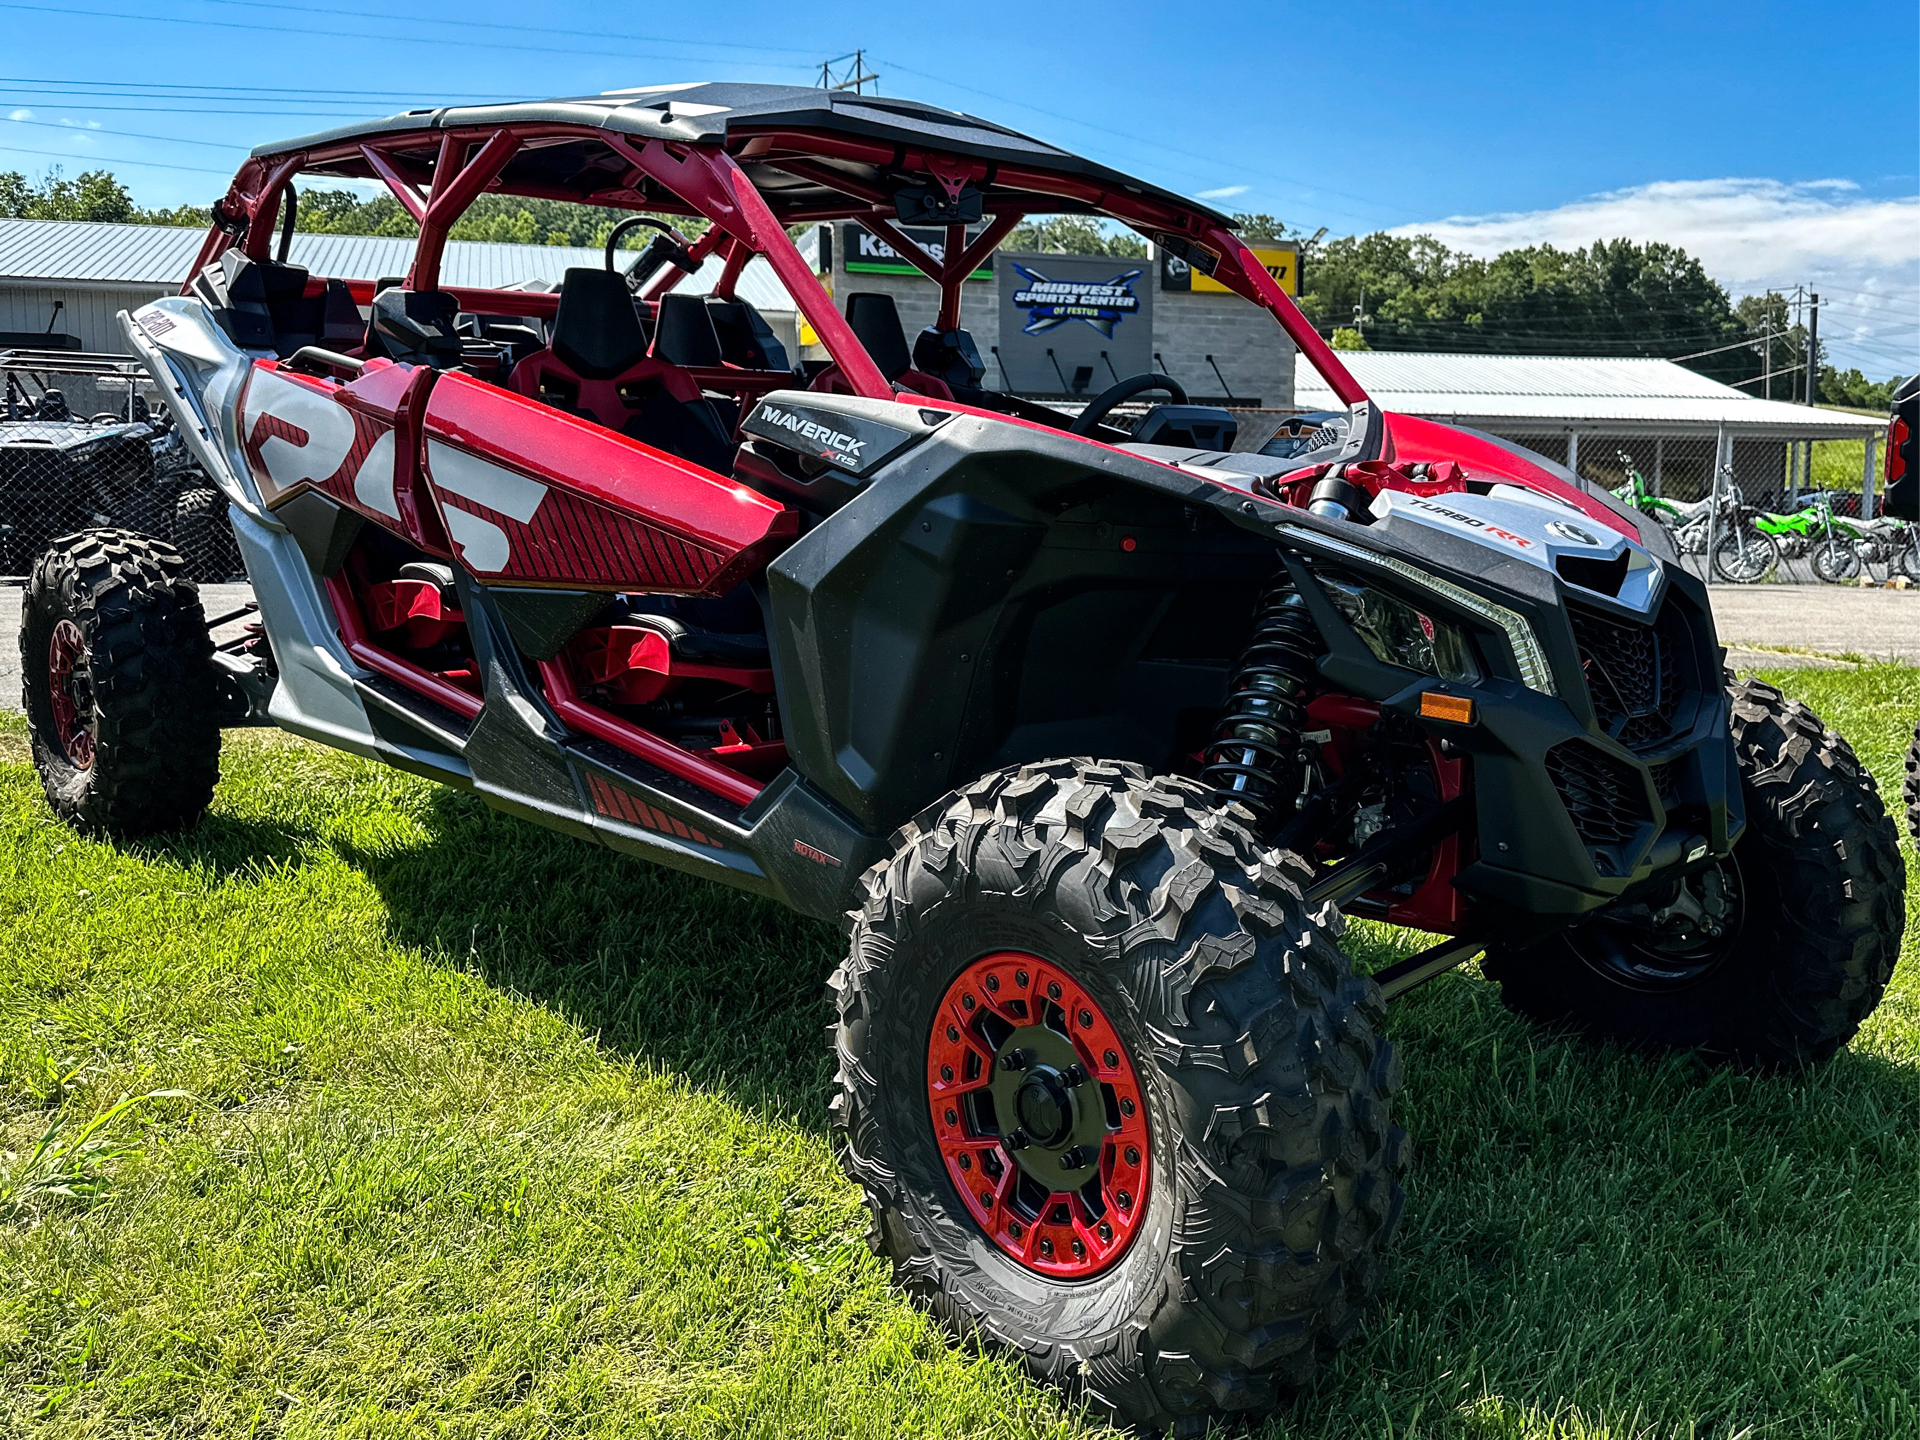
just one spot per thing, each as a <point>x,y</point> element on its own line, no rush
<point>1398,634</point>
<point>1528,654</point>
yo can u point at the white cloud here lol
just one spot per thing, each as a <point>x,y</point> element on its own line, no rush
<point>1861,253</point>
<point>22,114</point>
<point>1225,192</point>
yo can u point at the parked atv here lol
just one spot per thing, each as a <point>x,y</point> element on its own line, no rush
<point>1095,736</point>
<point>61,472</point>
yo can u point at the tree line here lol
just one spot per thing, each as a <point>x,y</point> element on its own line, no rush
<point>1378,291</point>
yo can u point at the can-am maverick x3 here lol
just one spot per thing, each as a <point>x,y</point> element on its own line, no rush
<point>1094,734</point>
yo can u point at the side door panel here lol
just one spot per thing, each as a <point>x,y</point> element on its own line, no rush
<point>358,443</point>
<point>533,496</point>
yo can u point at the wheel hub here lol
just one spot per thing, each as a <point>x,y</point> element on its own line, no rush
<point>70,693</point>
<point>1673,939</point>
<point>1039,1115</point>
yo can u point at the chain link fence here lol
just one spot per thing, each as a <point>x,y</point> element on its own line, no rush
<point>84,443</point>
<point>1790,509</point>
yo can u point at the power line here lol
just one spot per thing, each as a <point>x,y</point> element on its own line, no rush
<point>69,156</point>
<point>125,134</point>
<point>225,89</point>
<point>517,47</point>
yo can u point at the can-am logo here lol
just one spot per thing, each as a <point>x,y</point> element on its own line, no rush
<point>837,447</point>
<point>1052,303</point>
<point>1562,530</point>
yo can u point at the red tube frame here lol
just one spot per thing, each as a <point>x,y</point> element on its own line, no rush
<point>556,679</point>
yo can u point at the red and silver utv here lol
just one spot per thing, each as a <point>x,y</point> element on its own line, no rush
<point>1095,733</point>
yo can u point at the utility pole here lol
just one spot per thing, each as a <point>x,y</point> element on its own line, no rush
<point>1813,349</point>
<point>848,72</point>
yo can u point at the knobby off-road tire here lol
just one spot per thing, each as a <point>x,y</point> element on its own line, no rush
<point>203,536</point>
<point>1910,787</point>
<point>1275,1165</point>
<point>119,684</point>
<point>1824,909</point>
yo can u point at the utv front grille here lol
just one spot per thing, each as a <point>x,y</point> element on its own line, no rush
<point>1604,795</point>
<point>1633,673</point>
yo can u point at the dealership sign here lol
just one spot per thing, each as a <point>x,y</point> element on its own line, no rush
<point>1050,303</point>
<point>868,254</point>
<point>1071,325</point>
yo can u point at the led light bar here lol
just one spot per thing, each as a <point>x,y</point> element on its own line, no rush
<point>1528,653</point>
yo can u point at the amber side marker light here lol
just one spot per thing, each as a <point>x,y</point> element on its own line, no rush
<point>1435,706</point>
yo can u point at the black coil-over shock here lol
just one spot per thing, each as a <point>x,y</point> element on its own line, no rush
<point>1255,757</point>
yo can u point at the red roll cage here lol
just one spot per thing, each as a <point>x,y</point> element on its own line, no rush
<point>436,174</point>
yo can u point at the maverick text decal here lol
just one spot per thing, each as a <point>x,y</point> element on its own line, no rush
<point>836,446</point>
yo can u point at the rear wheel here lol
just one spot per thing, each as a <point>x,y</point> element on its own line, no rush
<point>204,537</point>
<point>1773,956</point>
<point>1743,554</point>
<point>120,688</point>
<point>1116,1099</point>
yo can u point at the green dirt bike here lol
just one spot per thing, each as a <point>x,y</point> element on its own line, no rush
<point>1743,553</point>
<point>1838,547</point>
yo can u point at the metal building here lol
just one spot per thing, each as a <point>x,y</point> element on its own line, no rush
<point>1677,425</point>
<point>70,277</point>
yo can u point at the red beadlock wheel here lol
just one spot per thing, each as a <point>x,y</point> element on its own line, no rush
<point>1039,1115</point>
<point>70,693</point>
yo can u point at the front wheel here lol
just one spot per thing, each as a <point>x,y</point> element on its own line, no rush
<point>1115,1097</point>
<point>1771,957</point>
<point>121,692</point>
<point>1835,561</point>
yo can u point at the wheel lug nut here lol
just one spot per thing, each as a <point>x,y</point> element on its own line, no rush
<point>953,1117</point>
<point>1013,1229</point>
<point>952,1034</point>
<point>1126,1107</point>
<point>1111,1060</point>
<point>986,1198</point>
<point>1073,1075</point>
<point>1053,991</point>
<point>1019,1139</point>
<point>1020,978</point>
<point>993,982</point>
<point>1106,1232</point>
<point>966,1002</point>
<point>1086,1019</point>
<point>946,1072</point>
<point>1014,1060</point>
<point>1046,1248</point>
<point>1125,1200</point>
<point>1133,1155</point>
<point>966,1162</point>
<point>1074,1159</point>
<point>1079,1249</point>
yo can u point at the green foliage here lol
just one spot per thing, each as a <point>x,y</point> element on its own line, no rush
<point>1854,390</point>
<point>1075,235</point>
<point>1259,228</point>
<point>508,219</point>
<point>91,195</point>
<point>1613,298</point>
<point>1345,337</point>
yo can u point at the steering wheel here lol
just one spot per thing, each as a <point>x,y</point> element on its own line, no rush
<point>1133,385</point>
<point>670,244</point>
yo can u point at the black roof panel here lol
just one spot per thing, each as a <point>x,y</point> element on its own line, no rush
<point>714,112</point>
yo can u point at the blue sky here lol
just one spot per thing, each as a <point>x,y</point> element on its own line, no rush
<point>1779,143</point>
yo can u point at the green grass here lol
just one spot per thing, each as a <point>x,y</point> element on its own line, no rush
<point>484,1132</point>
